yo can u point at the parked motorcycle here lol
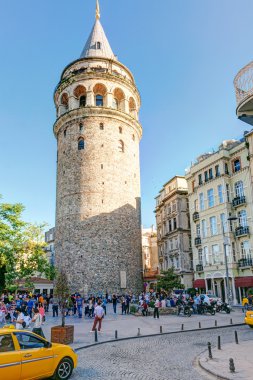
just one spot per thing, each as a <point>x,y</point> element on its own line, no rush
<point>204,308</point>
<point>223,306</point>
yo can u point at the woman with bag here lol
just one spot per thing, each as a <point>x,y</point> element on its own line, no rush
<point>37,319</point>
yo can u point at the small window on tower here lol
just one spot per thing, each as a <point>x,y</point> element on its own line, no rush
<point>98,45</point>
<point>120,129</point>
<point>80,127</point>
<point>121,146</point>
<point>133,137</point>
<point>65,132</point>
<point>81,144</point>
<point>101,125</point>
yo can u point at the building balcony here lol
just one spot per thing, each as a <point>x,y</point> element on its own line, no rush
<point>197,241</point>
<point>195,216</point>
<point>243,84</point>
<point>245,262</point>
<point>199,268</point>
<point>238,201</point>
<point>242,231</point>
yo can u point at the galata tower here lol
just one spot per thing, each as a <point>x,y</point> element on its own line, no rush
<point>98,205</point>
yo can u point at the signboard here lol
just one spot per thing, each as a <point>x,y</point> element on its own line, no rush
<point>123,279</point>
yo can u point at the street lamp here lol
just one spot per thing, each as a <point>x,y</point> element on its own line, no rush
<point>228,290</point>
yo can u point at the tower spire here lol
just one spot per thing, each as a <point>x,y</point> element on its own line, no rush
<point>97,11</point>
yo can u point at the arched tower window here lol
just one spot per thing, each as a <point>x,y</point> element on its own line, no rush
<point>118,99</point>
<point>132,107</point>
<point>65,101</point>
<point>100,92</point>
<point>80,127</point>
<point>99,100</point>
<point>80,94</point>
<point>81,143</point>
<point>98,45</point>
<point>120,129</point>
<point>121,146</point>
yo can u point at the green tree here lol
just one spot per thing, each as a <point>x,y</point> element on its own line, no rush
<point>22,253</point>
<point>61,291</point>
<point>169,280</point>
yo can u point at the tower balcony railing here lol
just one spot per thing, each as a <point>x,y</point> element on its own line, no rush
<point>195,216</point>
<point>241,231</point>
<point>238,201</point>
<point>197,241</point>
<point>243,83</point>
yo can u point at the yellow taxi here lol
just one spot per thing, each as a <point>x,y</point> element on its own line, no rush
<point>249,318</point>
<point>27,356</point>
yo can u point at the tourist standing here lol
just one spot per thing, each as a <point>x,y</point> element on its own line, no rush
<point>19,319</point>
<point>37,319</point>
<point>114,303</point>
<point>99,313</point>
<point>156,309</point>
<point>79,305</point>
<point>123,305</point>
<point>55,306</point>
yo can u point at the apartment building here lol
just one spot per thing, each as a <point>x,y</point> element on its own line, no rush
<point>173,229</point>
<point>150,257</point>
<point>220,205</point>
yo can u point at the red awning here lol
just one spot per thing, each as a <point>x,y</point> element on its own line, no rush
<point>199,284</point>
<point>244,282</point>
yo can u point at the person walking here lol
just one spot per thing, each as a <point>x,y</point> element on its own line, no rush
<point>37,319</point>
<point>99,313</point>
<point>123,305</point>
<point>55,306</point>
<point>128,299</point>
<point>104,304</point>
<point>114,303</point>
<point>79,305</point>
<point>156,309</point>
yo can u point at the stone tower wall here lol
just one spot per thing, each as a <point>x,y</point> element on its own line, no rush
<point>98,226</point>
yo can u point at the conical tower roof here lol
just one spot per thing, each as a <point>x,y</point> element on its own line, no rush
<point>97,44</point>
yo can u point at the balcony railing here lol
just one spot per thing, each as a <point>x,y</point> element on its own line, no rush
<point>195,216</point>
<point>241,231</point>
<point>239,201</point>
<point>245,262</point>
<point>199,268</point>
<point>197,241</point>
<point>243,83</point>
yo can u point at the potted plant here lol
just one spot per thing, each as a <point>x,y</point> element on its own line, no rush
<point>65,333</point>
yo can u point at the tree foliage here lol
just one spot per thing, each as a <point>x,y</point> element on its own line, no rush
<point>61,291</point>
<point>22,252</point>
<point>169,280</point>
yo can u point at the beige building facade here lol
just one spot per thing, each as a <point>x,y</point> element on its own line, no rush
<point>220,204</point>
<point>98,213</point>
<point>173,229</point>
<point>150,257</point>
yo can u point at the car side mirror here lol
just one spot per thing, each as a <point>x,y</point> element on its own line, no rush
<point>48,344</point>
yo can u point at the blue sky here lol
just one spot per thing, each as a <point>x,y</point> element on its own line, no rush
<point>184,55</point>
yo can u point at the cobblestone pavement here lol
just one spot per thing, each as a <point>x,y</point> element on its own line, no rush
<point>127,325</point>
<point>154,358</point>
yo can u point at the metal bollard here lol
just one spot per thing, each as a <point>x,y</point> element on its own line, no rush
<point>236,338</point>
<point>116,334</point>
<point>231,365</point>
<point>161,329</point>
<point>139,332</point>
<point>231,321</point>
<point>209,350</point>
<point>215,323</point>
<point>182,327</point>
<point>219,345</point>
<point>199,325</point>
<point>96,335</point>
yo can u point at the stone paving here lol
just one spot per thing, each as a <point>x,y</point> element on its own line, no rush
<point>127,325</point>
<point>160,357</point>
<point>219,365</point>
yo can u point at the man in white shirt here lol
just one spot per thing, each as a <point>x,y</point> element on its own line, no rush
<point>19,319</point>
<point>99,313</point>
